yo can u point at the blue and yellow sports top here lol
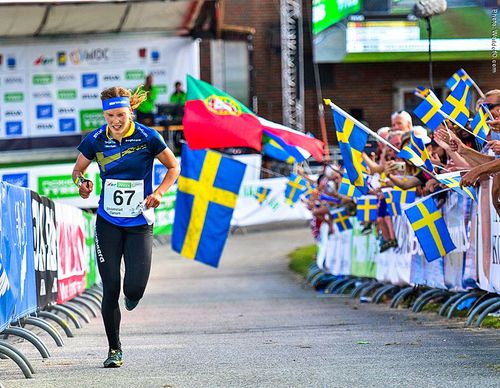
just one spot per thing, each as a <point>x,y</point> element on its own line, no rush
<point>130,160</point>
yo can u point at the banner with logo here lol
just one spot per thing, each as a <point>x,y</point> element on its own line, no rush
<point>17,247</point>
<point>45,249</point>
<point>7,300</point>
<point>53,88</point>
<point>72,265</point>
<point>248,211</point>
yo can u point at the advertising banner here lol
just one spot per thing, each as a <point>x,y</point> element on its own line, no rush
<point>17,247</point>
<point>92,274</point>
<point>45,249</point>
<point>52,88</point>
<point>72,265</point>
<point>363,252</point>
<point>7,300</point>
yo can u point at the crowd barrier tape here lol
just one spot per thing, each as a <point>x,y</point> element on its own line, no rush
<point>46,253</point>
<point>474,263</point>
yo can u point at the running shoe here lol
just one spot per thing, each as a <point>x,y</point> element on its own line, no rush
<point>114,359</point>
<point>130,304</point>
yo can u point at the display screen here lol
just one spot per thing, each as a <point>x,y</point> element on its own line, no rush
<point>326,13</point>
<point>462,32</point>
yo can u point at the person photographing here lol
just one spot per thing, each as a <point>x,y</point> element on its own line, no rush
<point>125,151</point>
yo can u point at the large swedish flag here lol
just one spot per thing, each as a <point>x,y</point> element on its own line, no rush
<point>206,196</point>
<point>430,229</point>
<point>352,141</point>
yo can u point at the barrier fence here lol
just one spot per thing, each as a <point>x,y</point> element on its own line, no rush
<point>47,258</point>
<point>467,277</point>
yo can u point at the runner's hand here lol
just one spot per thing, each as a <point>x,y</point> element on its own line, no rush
<point>153,200</point>
<point>86,188</point>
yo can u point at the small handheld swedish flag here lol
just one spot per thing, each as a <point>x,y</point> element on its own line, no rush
<point>416,153</point>
<point>352,141</point>
<point>430,229</point>
<point>261,194</point>
<point>479,127</point>
<point>459,75</point>
<point>341,219</point>
<point>429,112</point>
<point>452,180</point>
<point>395,197</point>
<point>347,189</point>
<point>457,103</point>
<point>366,208</point>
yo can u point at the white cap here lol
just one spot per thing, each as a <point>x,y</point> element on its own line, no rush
<point>421,132</point>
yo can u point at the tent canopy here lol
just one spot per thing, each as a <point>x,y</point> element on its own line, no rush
<point>65,17</point>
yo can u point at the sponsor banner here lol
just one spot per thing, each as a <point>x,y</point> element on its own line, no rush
<point>17,246</point>
<point>7,300</point>
<point>45,249</point>
<point>488,241</point>
<point>72,265</point>
<point>164,214</point>
<point>363,251</point>
<point>92,274</point>
<point>56,86</point>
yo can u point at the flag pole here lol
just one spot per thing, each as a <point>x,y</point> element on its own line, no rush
<point>361,125</point>
<point>474,84</point>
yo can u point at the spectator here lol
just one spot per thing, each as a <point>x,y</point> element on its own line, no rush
<point>145,111</point>
<point>179,96</point>
<point>401,121</point>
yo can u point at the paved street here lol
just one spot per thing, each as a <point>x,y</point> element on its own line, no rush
<point>251,323</point>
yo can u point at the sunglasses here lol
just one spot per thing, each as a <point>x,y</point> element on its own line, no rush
<point>491,106</point>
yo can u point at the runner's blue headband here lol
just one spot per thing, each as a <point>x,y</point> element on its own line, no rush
<point>116,102</point>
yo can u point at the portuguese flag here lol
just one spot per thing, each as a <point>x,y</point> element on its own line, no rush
<point>214,119</point>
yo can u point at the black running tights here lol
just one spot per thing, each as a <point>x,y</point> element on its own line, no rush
<point>135,245</point>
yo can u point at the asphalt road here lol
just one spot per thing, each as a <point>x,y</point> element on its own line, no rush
<point>252,323</point>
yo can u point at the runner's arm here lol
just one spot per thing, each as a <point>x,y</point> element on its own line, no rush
<point>85,186</point>
<point>168,159</point>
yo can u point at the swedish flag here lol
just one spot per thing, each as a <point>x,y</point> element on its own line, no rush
<point>421,92</point>
<point>341,219</point>
<point>206,196</point>
<point>430,229</point>
<point>352,141</point>
<point>366,208</point>
<point>396,197</point>
<point>459,75</point>
<point>478,125</point>
<point>416,153</point>
<point>457,103</point>
<point>261,194</point>
<point>295,187</point>
<point>347,189</point>
<point>429,112</point>
<point>452,180</point>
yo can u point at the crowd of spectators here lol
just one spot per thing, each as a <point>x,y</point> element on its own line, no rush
<point>450,148</point>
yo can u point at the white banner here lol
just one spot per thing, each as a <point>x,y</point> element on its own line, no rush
<point>50,89</point>
<point>248,211</point>
<point>488,242</point>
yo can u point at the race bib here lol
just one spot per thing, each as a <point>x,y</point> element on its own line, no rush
<point>122,198</point>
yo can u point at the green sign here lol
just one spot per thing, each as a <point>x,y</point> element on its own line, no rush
<point>42,79</point>
<point>133,75</point>
<point>91,119</point>
<point>66,94</point>
<point>326,13</point>
<point>164,214</point>
<point>161,89</point>
<point>57,186</point>
<point>91,275</point>
<point>13,97</point>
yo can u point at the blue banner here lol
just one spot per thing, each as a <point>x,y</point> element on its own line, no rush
<point>17,246</point>
<point>7,300</point>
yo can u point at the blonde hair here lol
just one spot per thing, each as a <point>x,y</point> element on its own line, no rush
<point>136,98</point>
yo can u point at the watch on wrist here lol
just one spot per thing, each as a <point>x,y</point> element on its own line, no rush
<point>79,180</point>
